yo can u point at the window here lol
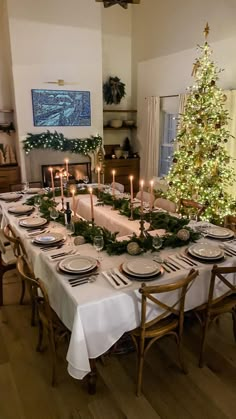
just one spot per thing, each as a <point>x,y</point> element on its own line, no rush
<point>167,145</point>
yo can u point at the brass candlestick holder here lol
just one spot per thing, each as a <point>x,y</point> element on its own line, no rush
<point>142,228</point>
<point>113,202</point>
<point>131,218</point>
<point>62,205</point>
<point>150,220</point>
<point>92,222</point>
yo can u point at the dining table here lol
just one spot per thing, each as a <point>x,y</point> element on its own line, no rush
<point>98,313</point>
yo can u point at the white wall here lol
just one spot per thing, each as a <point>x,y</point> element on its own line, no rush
<point>116,61</point>
<point>50,40</point>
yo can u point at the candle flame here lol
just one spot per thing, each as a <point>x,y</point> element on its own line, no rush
<point>90,190</point>
<point>131,177</point>
<point>151,182</point>
<point>141,183</point>
<point>113,172</point>
<point>98,169</point>
<point>66,160</point>
<point>50,168</point>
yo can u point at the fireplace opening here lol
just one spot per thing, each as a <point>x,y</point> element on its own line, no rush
<point>77,173</point>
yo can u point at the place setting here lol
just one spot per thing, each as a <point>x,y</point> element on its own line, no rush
<point>10,197</point>
<point>20,210</point>
<point>49,240</point>
<point>216,233</point>
<point>206,253</point>
<point>84,267</point>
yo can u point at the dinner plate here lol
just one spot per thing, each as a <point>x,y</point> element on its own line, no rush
<point>219,232</point>
<point>138,274</point>
<point>9,196</point>
<point>142,266</point>
<point>206,260</point>
<point>205,251</point>
<point>33,222</point>
<point>21,209</point>
<point>145,278</point>
<point>48,238</point>
<point>78,264</point>
<point>33,190</point>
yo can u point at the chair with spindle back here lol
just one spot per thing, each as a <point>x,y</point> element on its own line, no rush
<point>189,203</point>
<point>48,321</point>
<point>169,322</point>
<point>216,306</point>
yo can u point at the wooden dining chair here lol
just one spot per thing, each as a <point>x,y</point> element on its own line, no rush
<point>165,204</point>
<point>169,322</point>
<point>20,186</point>
<point>7,260</point>
<point>48,322</point>
<point>216,306</point>
<point>190,204</point>
<point>230,222</point>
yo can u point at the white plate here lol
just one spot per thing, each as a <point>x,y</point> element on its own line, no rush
<point>9,196</point>
<point>206,250</point>
<point>77,264</point>
<point>33,222</point>
<point>128,272</point>
<point>48,238</point>
<point>219,232</point>
<point>33,190</point>
<point>142,266</point>
<point>21,209</point>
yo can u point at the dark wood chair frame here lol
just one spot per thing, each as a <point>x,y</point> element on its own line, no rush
<point>188,203</point>
<point>19,186</point>
<point>215,307</point>
<point>170,322</point>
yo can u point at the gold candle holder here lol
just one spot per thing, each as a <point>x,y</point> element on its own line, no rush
<point>62,205</point>
<point>142,228</point>
<point>131,218</point>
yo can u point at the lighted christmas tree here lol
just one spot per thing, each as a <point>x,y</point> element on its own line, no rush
<point>201,167</point>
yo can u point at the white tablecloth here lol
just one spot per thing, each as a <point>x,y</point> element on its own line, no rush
<point>96,313</point>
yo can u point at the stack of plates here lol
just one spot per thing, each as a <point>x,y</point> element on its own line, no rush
<point>142,269</point>
<point>219,233</point>
<point>48,239</point>
<point>78,265</point>
<point>21,209</point>
<point>206,252</point>
<point>33,222</point>
<point>8,197</point>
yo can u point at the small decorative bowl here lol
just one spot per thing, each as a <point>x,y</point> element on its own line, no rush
<point>116,123</point>
<point>129,123</point>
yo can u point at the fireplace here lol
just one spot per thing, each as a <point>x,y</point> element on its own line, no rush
<point>77,173</point>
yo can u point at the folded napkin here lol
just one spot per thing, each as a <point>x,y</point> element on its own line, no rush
<point>116,279</point>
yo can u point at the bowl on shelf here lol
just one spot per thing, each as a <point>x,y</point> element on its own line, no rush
<point>129,123</point>
<point>118,152</point>
<point>116,123</point>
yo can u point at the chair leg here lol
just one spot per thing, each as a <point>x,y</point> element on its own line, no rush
<point>203,343</point>
<point>180,355</point>
<point>40,337</point>
<point>54,357</point>
<point>140,367</point>
<point>33,313</point>
<point>234,322</point>
<point>22,291</point>
<point>1,285</point>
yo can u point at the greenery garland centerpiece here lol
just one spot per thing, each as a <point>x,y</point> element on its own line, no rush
<point>58,142</point>
<point>177,234</point>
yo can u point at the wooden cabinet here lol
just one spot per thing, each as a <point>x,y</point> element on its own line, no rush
<point>9,174</point>
<point>124,168</point>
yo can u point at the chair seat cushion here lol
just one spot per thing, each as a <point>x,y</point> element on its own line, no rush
<point>164,326</point>
<point>8,257</point>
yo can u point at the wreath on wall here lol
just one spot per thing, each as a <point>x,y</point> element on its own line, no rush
<point>113,90</point>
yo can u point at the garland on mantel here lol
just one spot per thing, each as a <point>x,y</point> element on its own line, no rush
<point>57,141</point>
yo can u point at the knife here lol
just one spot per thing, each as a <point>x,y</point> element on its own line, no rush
<point>81,278</point>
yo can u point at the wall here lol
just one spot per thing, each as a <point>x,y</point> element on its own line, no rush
<point>116,61</point>
<point>53,40</point>
<point>6,97</point>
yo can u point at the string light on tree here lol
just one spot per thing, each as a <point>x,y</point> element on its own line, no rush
<point>201,167</point>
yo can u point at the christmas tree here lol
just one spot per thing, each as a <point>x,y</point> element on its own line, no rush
<point>201,168</point>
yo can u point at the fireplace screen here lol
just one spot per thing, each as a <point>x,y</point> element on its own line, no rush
<point>77,173</point>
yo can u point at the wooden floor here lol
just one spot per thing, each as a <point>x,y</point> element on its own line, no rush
<point>25,392</point>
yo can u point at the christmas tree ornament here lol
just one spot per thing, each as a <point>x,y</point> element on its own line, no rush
<point>133,248</point>
<point>175,160</point>
<point>79,240</point>
<point>183,234</point>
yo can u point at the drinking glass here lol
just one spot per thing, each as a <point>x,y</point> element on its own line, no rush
<point>26,187</point>
<point>37,201</point>
<point>157,242</point>
<point>70,231</point>
<point>86,179</point>
<point>98,243</point>
<point>54,214</point>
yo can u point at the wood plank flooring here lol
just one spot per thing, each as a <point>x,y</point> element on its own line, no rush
<point>25,391</point>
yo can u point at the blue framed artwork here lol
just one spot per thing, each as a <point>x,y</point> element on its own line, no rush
<point>54,108</point>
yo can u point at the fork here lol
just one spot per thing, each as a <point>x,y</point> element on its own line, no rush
<point>186,260</point>
<point>85,281</point>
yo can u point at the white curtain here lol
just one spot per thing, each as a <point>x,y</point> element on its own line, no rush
<point>230,105</point>
<point>150,138</point>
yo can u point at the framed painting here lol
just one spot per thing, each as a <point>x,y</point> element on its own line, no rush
<point>54,108</point>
